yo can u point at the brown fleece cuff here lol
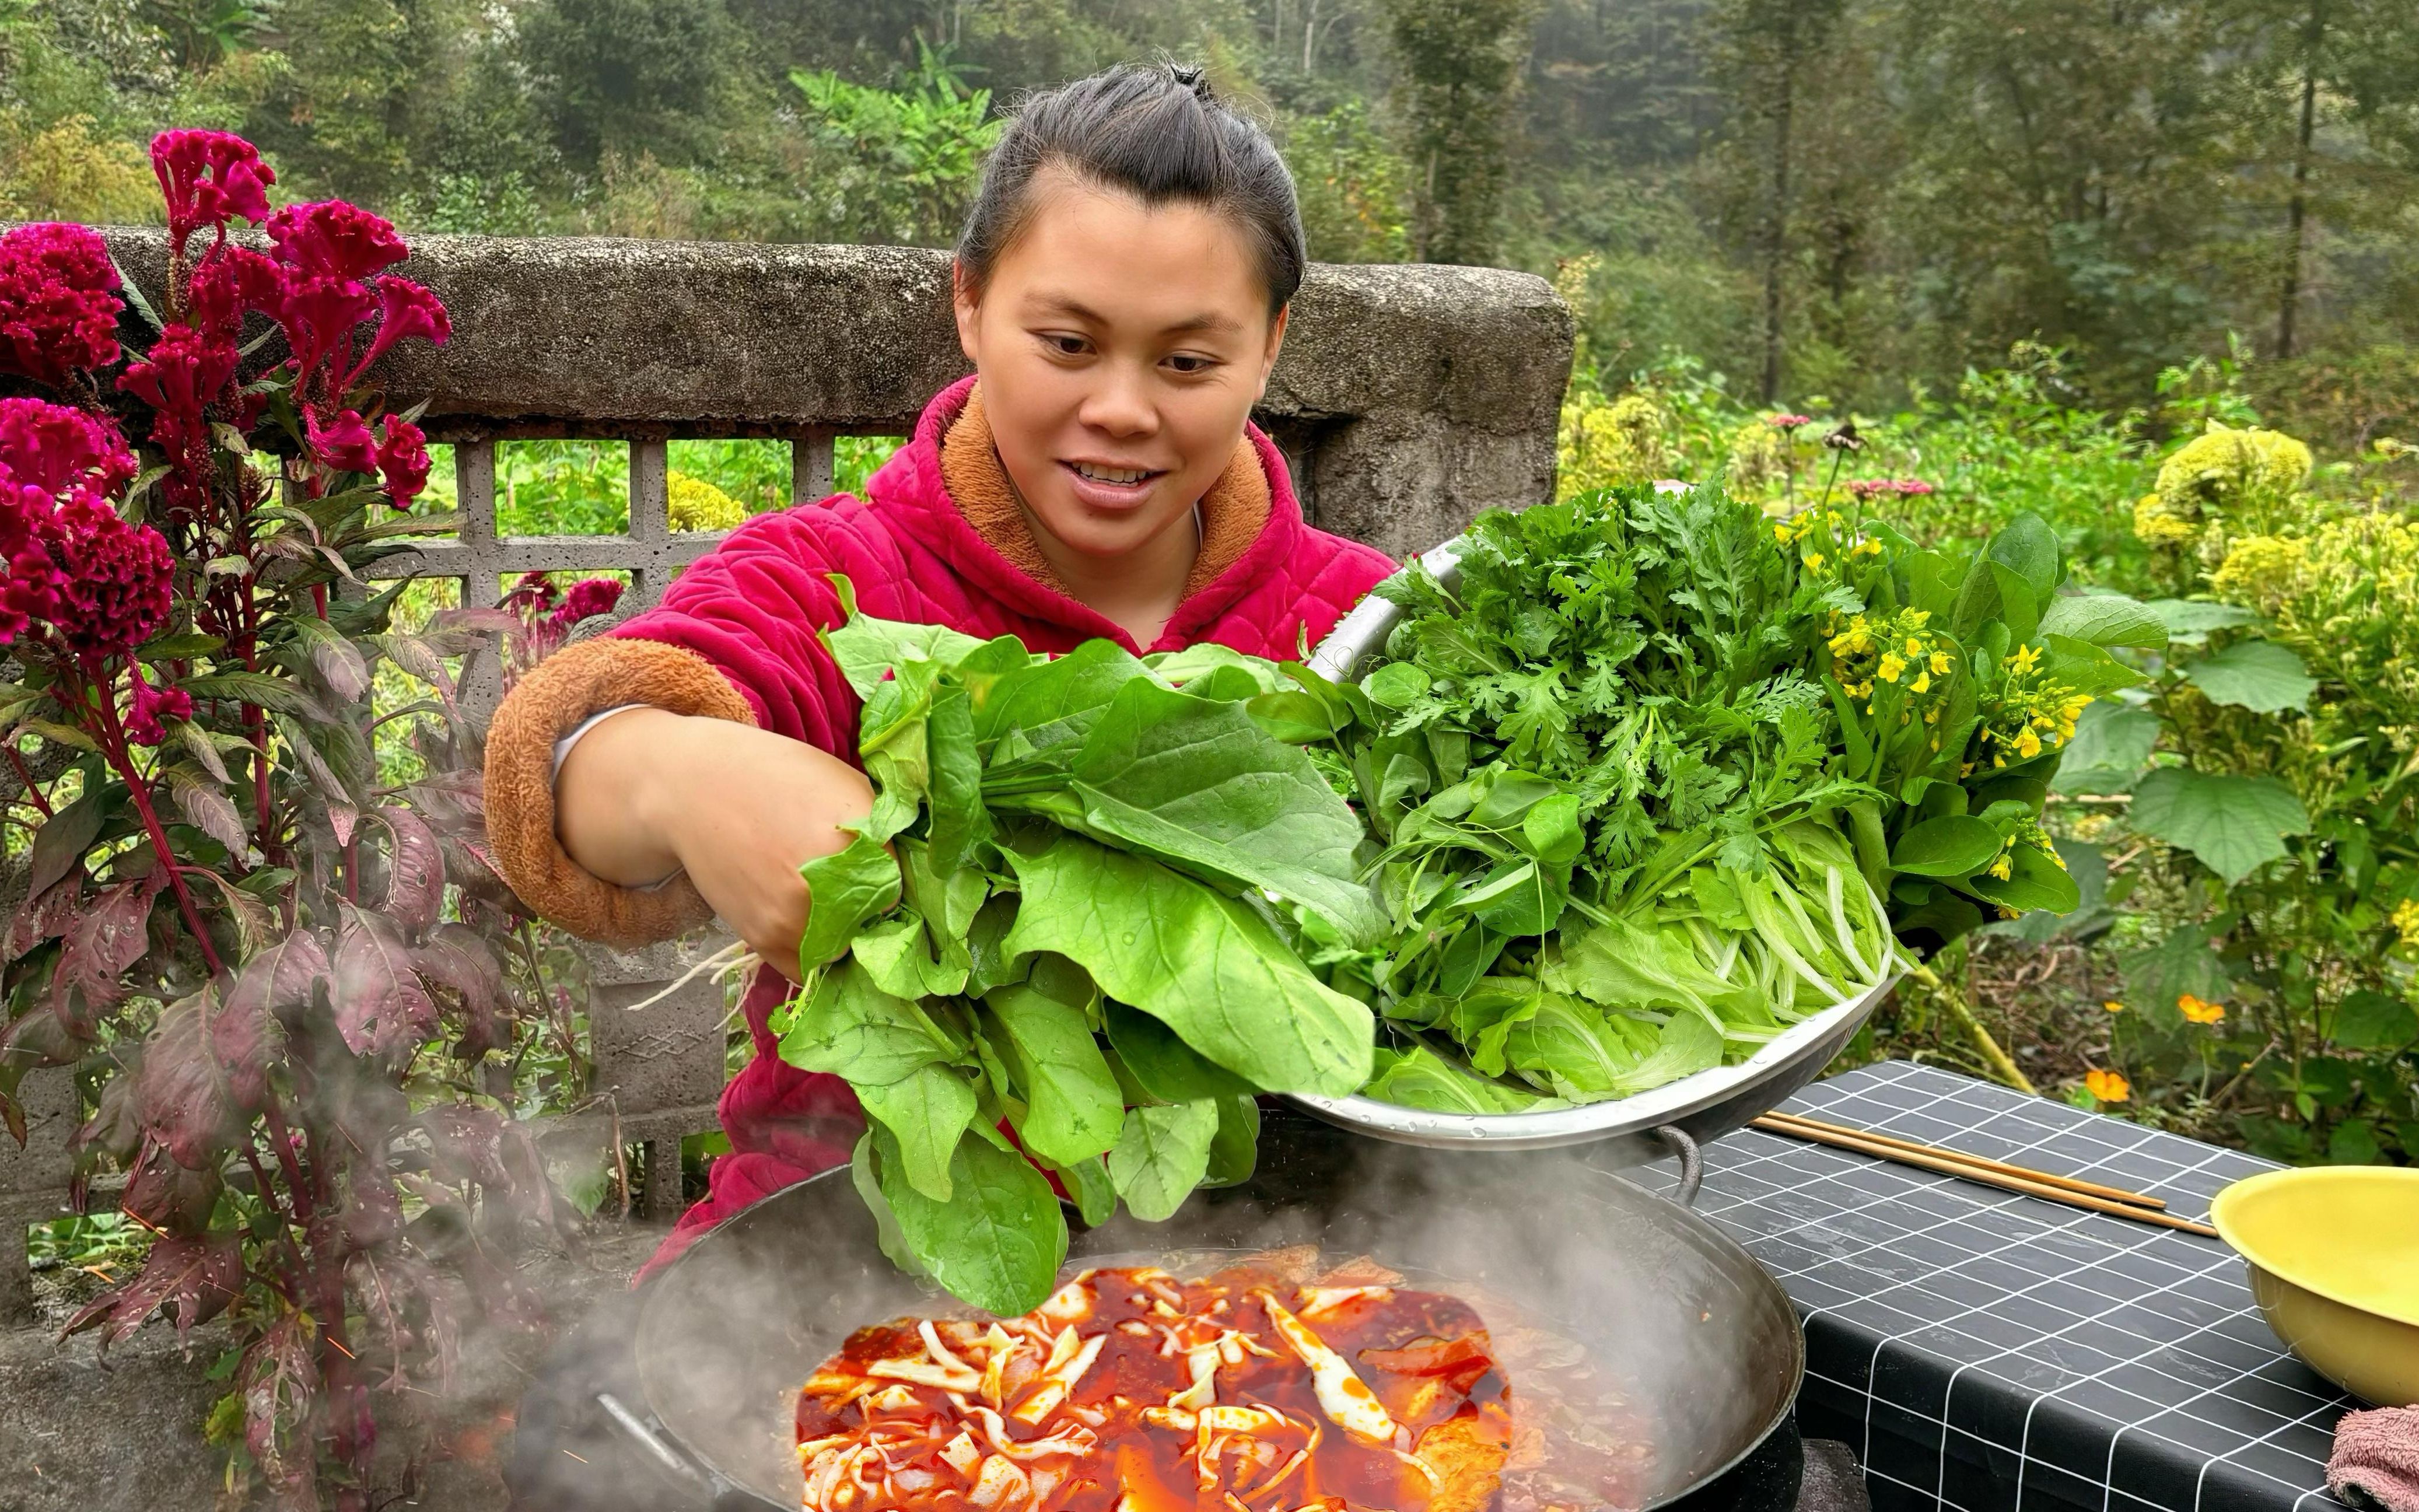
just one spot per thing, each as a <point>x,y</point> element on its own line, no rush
<point>566,688</point>
<point>1233,512</point>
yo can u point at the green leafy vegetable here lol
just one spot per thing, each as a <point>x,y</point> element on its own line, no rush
<point>1657,776</point>
<point>1069,920</point>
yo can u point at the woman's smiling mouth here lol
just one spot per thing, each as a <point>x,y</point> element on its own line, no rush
<point>1101,485</point>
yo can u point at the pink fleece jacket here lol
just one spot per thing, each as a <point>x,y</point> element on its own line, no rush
<point>751,610</point>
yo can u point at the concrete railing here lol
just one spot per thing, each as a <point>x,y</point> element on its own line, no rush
<point>1407,399</point>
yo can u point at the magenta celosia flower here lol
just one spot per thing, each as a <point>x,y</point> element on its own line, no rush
<point>185,372</point>
<point>333,238</point>
<point>320,315</point>
<point>1872,488</point>
<point>403,461</point>
<point>408,310</point>
<point>149,705</point>
<point>588,597</point>
<point>61,451</point>
<point>532,594</point>
<point>58,311</point>
<point>206,176</point>
<point>115,595</point>
<point>231,283</point>
<point>341,441</point>
<point>51,457</point>
<point>1789,422</point>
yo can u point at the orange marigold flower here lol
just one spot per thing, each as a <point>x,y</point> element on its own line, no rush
<point>2108,1085</point>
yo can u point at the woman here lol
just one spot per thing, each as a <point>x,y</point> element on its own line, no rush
<point>1121,291</point>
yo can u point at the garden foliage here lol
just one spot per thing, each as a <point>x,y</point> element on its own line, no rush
<point>278,979</point>
<point>2238,823</point>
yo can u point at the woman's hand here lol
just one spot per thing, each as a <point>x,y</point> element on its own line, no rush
<point>740,809</point>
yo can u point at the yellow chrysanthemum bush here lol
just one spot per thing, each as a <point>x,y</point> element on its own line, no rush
<point>2220,486</point>
<point>1606,441</point>
<point>2345,597</point>
<point>695,504</point>
<point>2274,772</point>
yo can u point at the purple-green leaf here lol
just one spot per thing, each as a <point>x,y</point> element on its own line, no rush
<point>45,916</point>
<point>415,871</point>
<point>195,1276</point>
<point>457,958</point>
<point>207,808</point>
<point>164,1194</point>
<point>381,1006</point>
<point>100,947</point>
<point>247,1032</point>
<point>61,843</point>
<point>180,1090</point>
<point>337,660</point>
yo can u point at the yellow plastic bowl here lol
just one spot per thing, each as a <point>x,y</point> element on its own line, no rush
<point>2334,1253</point>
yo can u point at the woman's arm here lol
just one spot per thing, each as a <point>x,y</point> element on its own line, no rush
<point>722,780</point>
<point>650,792</point>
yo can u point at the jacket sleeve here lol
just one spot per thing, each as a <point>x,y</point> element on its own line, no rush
<point>735,637</point>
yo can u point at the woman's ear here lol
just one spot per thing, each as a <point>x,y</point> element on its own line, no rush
<point>967,302</point>
<point>1276,343</point>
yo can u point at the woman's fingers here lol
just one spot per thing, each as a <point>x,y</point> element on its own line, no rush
<point>757,806</point>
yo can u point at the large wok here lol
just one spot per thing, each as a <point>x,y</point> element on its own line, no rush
<point>1700,1337</point>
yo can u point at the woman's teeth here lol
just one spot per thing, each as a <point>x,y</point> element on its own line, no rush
<point>1111,474</point>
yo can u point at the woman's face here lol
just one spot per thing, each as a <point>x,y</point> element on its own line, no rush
<point>1122,348</point>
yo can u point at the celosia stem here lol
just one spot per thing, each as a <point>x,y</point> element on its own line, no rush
<point>33,794</point>
<point>113,748</point>
<point>267,1192</point>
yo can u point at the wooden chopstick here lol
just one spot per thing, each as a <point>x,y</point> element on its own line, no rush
<point>2089,1189</point>
<point>1950,1162</point>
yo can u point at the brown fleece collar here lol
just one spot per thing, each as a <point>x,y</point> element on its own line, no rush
<point>1233,512</point>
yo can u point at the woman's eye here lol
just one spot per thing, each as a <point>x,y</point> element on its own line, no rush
<point>1188,363</point>
<point>1064,344</point>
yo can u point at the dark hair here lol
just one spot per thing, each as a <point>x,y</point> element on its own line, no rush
<point>1157,133</point>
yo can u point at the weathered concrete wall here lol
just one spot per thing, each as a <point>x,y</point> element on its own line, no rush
<point>1420,395</point>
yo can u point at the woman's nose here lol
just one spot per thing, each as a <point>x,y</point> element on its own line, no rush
<point>1120,404</point>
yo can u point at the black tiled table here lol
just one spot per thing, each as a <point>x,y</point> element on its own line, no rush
<point>1992,1353</point>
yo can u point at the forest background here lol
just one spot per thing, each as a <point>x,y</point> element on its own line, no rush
<point>1857,199</point>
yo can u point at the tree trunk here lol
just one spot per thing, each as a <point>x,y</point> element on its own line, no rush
<point>2297,208</point>
<point>1776,228</point>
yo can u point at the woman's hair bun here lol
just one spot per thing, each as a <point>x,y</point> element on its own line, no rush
<point>1158,132</point>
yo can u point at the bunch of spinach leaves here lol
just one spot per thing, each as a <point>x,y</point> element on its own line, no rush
<point>1063,941</point>
<point>1659,775</point>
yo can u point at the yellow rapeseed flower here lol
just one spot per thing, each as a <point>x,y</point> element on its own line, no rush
<point>2026,659</point>
<point>1813,562</point>
<point>1941,663</point>
<point>2114,1006</point>
<point>2107,1086</point>
<point>1892,666</point>
<point>2199,1011</point>
<point>2406,921</point>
